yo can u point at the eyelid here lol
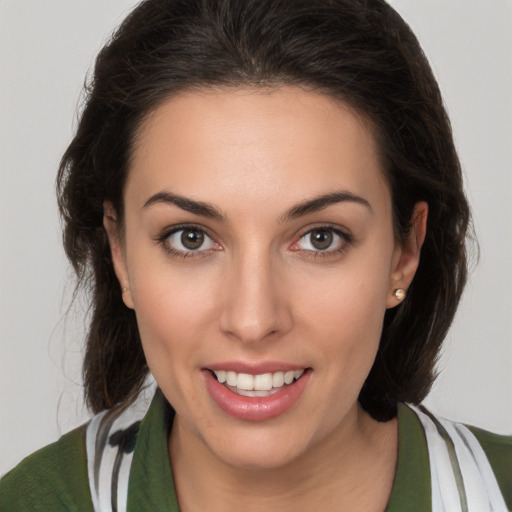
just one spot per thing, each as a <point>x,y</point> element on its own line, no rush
<point>173,251</point>
<point>345,236</point>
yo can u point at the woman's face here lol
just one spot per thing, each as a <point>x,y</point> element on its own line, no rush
<point>259,248</point>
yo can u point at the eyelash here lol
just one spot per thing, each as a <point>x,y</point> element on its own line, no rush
<point>162,239</point>
<point>177,253</point>
<point>346,240</point>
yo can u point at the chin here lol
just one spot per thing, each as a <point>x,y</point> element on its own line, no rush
<point>259,447</point>
<point>254,458</point>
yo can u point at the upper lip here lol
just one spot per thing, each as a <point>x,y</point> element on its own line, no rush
<point>255,368</point>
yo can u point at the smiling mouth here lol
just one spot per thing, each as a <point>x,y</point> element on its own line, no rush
<point>261,385</point>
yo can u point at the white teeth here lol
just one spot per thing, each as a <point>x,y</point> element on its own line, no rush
<point>258,383</point>
<point>263,382</point>
<point>221,376</point>
<point>257,393</point>
<point>278,379</point>
<point>245,381</point>
<point>231,378</point>
<point>288,377</point>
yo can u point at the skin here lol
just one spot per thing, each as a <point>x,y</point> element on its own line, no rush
<point>258,291</point>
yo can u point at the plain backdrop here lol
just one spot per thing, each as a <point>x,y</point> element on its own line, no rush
<point>46,48</point>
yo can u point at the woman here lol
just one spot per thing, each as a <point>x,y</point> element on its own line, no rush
<point>266,200</point>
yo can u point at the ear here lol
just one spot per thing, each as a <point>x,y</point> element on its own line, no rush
<point>111,225</point>
<point>407,256</point>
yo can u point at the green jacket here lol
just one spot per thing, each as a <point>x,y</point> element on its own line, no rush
<point>55,478</point>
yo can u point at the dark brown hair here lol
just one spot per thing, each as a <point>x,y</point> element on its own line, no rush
<point>358,51</point>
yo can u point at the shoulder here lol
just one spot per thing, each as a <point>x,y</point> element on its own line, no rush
<point>53,478</point>
<point>498,449</point>
<point>479,459</point>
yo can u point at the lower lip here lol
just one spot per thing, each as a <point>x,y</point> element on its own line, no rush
<point>255,408</point>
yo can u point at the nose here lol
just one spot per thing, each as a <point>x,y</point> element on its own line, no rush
<point>254,307</point>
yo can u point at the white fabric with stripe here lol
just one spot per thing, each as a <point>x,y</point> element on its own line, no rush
<point>462,479</point>
<point>478,491</point>
<point>108,485</point>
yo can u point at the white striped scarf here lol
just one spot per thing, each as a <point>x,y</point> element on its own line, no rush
<point>462,479</point>
<point>110,442</point>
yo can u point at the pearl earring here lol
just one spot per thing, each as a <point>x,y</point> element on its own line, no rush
<point>399,294</point>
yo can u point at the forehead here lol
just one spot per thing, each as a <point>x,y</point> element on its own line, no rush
<point>260,143</point>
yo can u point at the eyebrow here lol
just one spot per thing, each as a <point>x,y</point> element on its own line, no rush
<point>189,205</point>
<point>319,203</point>
<point>208,210</point>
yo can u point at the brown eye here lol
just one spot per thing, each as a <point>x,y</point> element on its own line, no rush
<point>188,240</point>
<point>324,240</point>
<point>321,239</point>
<point>192,238</point>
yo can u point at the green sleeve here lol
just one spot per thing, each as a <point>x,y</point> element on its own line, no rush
<point>53,478</point>
<point>499,452</point>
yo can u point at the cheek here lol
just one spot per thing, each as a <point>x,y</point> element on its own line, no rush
<point>349,330</point>
<point>348,300</point>
<point>174,317</point>
<point>344,312</point>
<point>174,307</point>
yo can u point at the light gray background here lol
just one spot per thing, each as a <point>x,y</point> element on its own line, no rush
<point>46,47</point>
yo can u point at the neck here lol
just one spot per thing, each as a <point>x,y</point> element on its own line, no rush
<point>352,469</point>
